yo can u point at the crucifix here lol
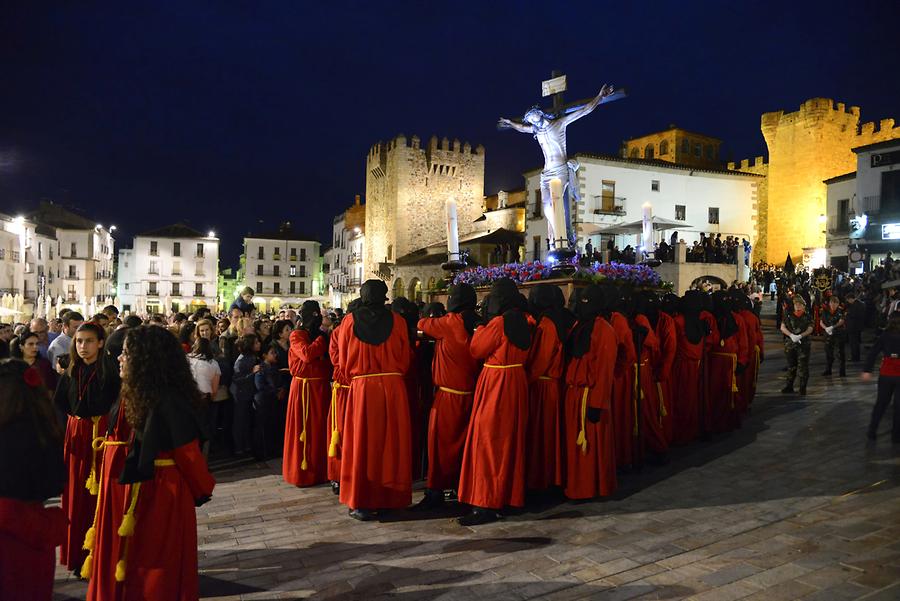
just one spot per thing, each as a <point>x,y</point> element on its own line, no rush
<point>558,176</point>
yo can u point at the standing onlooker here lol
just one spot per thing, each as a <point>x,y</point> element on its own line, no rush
<point>40,327</point>
<point>243,390</point>
<point>206,373</point>
<point>60,345</point>
<point>888,344</point>
<point>269,394</point>
<point>25,347</point>
<point>854,321</point>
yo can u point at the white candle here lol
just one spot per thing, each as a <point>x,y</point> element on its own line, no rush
<point>452,231</point>
<point>647,227</point>
<point>559,212</point>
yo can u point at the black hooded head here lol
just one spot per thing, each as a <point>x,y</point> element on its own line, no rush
<point>690,307</point>
<point>435,309</point>
<point>410,314</point>
<point>372,322</point>
<point>353,305</point>
<point>669,303</point>
<point>463,300</point>
<point>311,318</point>
<point>547,300</point>
<point>593,302</point>
<point>647,304</point>
<point>504,299</point>
<point>721,309</point>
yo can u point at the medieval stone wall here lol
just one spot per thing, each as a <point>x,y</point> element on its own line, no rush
<point>407,187</point>
<point>806,147</point>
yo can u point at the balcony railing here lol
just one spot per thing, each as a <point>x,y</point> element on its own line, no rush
<point>153,293</point>
<point>354,258</point>
<point>153,271</point>
<point>869,204</point>
<point>71,277</point>
<point>276,257</point>
<point>293,257</point>
<point>176,293</point>
<point>838,226</point>
<point>174,272</point>
<point>10,291</point>
<point>614,210</point>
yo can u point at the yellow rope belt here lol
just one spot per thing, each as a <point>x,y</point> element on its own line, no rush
<point>92,483</point>
<point>546,378</point>
<point>734,386</point>
<point>503,366</point>
<point>453,391</point>
<point>304,401</point>
<point>387,373</point>
<point>335,439</point>
<point>581,441</point>
<point>634,397</point>
<point>662,404</point>
<point>90,536</point>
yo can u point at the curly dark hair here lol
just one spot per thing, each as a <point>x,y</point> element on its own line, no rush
<point>156,368</point>
<point>18,398</point>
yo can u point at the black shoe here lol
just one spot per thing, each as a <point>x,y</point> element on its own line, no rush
<point>335,487</point>
<point>827,372</point>
<point>432,500</point>
<point>803,390</point>
<point>479,516</point>
<point>363,515</point>
<point>789,389</point>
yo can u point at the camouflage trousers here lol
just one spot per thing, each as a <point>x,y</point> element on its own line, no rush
<point>834,346</point>
<point>798,361</point>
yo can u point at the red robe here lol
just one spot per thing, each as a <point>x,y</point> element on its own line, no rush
<point>653,435</point>
<point>590,468</point>
<point>689,384</point>
<point>623,389</point>
<point>662,367</point>
<point>543,463</point>
<point>77,501</point>
<point>376,472</point>
<point>306,433</point>
<point>416,410</point>
<point>453,373</point>
<point>340,387</point>
<point>747,380</point>
<point>722,414</point>
<point>493,468</point>
<point>161,556</point>
<point>111,506</point>
<point>29,535</point>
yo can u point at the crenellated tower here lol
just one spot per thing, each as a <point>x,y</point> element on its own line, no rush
<point>407,186</point>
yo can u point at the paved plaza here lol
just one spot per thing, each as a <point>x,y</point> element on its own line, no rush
<point>795,505</point>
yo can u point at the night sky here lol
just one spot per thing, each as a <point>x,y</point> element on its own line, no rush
<point>233,116</point>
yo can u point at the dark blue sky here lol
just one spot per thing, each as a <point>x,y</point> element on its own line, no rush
<point>227,113</point>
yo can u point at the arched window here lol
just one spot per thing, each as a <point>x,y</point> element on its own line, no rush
<point>398,289</point>
<point>663,147</point>
<point>414,293</point>
<point>431,283</point>
<point>635,152</point>
<point>648,151</point>
<point>686,146</point>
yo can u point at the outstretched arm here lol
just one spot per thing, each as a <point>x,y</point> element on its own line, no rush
<point>504,123</point>
<point>606,90</point>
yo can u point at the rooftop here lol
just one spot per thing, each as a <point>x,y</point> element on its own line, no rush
<point>655,163</point>
<point>176,230</point>
<point>878,146</point>
<point>52,214</point>
<point>285,231</point>
<point>674,128</point>
<point>840,178</point>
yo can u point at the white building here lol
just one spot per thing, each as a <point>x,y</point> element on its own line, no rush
<point>345,260</point>
<point>282,267</point>
<point>614,189</point>
<point>863,209</point>
<point>174,268</point>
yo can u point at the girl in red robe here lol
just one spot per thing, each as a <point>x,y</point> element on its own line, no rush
<point>165,473</point>
<point>31,471</point>
<point>755,348</point>
<point>86,391</point>
<point>653,435</point>
<point>417,418</point>
<point>726,362</point>
<point>340,387</point>
<point>543,465</point>
<point>623,389</point>
<point>691,335</point>
<point>590,467</point>
<point>307,435</point>
<point>374,352</point>
<point>453,371</point>
<point>493,468</point>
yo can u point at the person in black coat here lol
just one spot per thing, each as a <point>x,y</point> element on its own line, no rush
<point>854,322</point>
<point>888,344</point>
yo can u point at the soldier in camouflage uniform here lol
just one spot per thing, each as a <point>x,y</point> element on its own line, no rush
<point>832,321</point>
<point>797,327</point>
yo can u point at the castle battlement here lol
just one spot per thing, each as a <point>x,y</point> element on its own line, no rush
<point>759,163</point>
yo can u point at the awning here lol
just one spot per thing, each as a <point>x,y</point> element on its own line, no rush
<point>634,227</point>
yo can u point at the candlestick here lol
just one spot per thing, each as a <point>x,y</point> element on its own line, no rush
<point>452,231</point>
<point>559,213</point>
<point>647,227</point>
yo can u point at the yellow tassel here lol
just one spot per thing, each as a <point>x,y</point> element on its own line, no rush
<point>303,436</point>
<point>91,483</point>
<point>87,566</point>
<point>335,441</point>
<point>120,571</point>
<point>127,526</point>
<point>89,538</point>
<point>303,465</point>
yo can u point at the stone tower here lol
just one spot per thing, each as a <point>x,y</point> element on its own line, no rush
<point>406,190</point>
<point>806,147</point>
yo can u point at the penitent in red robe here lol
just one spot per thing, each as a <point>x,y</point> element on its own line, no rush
<point>306,433</point>
<point>543,462</point>
<point>653,434</point>
<point>376,471</point>
<point>493,468</point>
<point>453,372</point>
<point>722,379</point>
<point>662,367</point>
<point>590,468</point>
<point>111,506</point>
<point>623,390</point>
<point>340,387</point>
<point>161,556</point>
<point>687,389</point>
<point>747,380</point>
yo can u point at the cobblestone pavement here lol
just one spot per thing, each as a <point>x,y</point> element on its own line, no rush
<point>796,504</point>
